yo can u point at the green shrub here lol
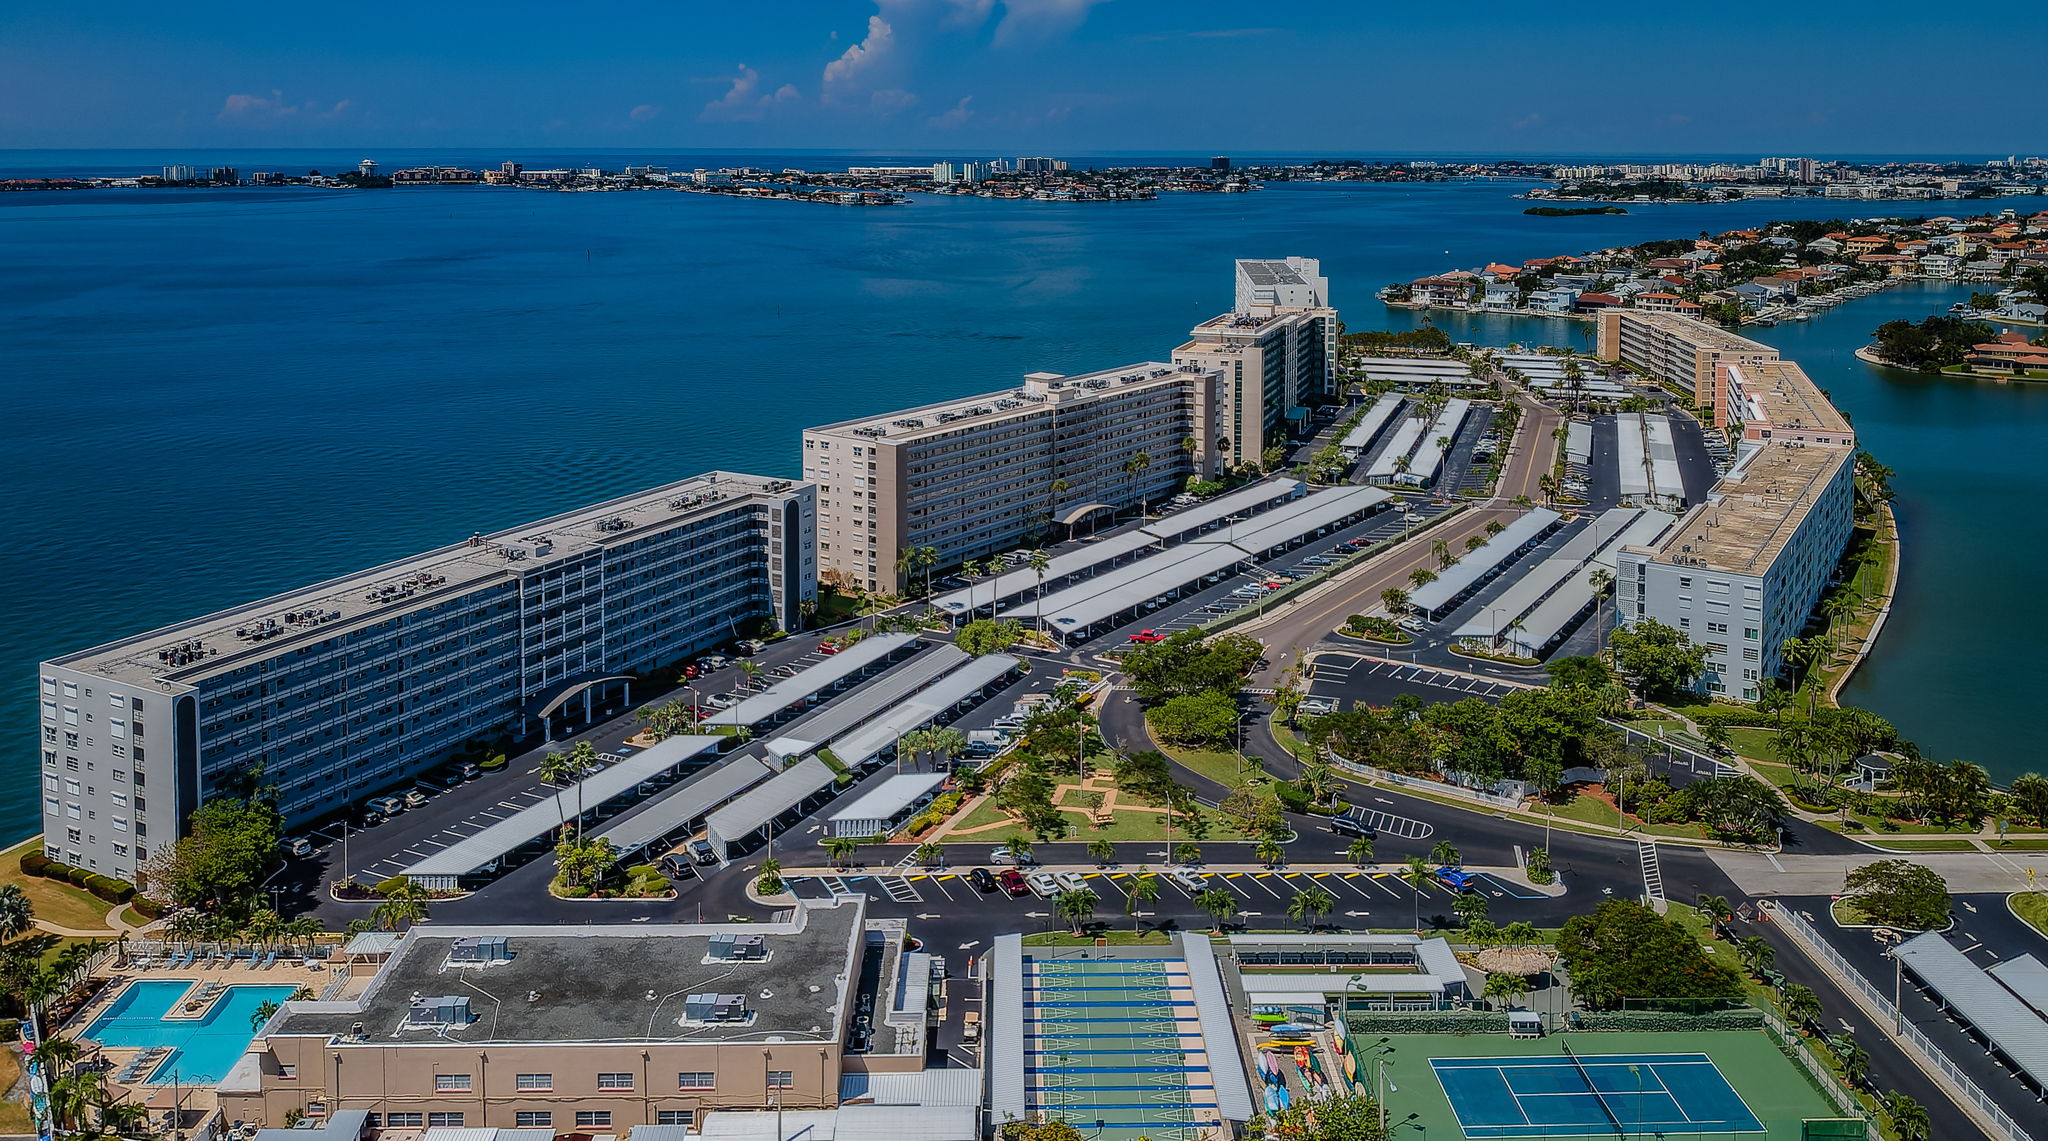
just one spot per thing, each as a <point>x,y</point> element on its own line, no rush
<point>35,863</point>
<point>109,889</point>
<point>10,1029</point>
<point>387,886</point>
<point>77,876</point>
<point>577,892</point>
<point>148,908</point>
<point>1426,1022</point>
<point>1291,798</point>
<point>493,764</point>
<point>1745,1018</point>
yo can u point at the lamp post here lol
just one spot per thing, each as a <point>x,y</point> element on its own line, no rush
<point>1237,737</point>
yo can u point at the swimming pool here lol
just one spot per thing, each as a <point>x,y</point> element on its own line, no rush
<point>203,1050</point>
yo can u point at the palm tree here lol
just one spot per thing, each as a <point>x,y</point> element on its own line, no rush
<point>1395,600</point>
<point>1360,850</point>
<point>1309,905</point>
<point>1757,953</point>
<point>1600,580</point>
<point>1220,904</point>
<point>929,854</point>
<point>1495,527</point>
<point>1716,909</point>
<point>1444,852</point>
<point>399,910</point>
<point>914,558</point>
<point>1102,852</point>
<point>1474,542</point>
<point>913,745</point>
<point>1854,1058</point>
<point>1076,906</point>
<point>1039,562</point>
<point>1802,1006</point>
<point>54,1055</point>
<point>1909,1117</point>
<point>264,927</point>
<point>840,850</point>
<point>17,912</point>
<point>1470,907</point>
<point>1144,890</point>
<point>1421,576</point>
<point>559,769</point>
<point>753,669</point>
<point>1520,933</point>
<point>1442,550</point>
<point>1503,990</point>
<point>1269,852</point>
<point>1019,849</point>
<point>944,744</point>
<point>261,1014</point>
<point>584,756</point>
<point>1418,876</point>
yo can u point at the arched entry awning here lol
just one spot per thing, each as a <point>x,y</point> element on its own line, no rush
<point>553,704</point>
<point>1079,513</point>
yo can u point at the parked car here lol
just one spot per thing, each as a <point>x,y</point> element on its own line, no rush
<point>451,779</point>
<point>752,645</point>
<point>984,881</point>
<point>1352,824</point>
<point>416,797</point>
<point>1043,884</point>
<point>702,852</point>
<point>297,846</point>
<point>1002,855</point>
<point>1188,878</point>
<point>386,806</point>
<point>1012,882</point>
<point>676,866</point>
<point>469,770</point>
<point>1069,881</point>
<point>722,700</point>
<point>828,646</point>
<point>1148,636</point>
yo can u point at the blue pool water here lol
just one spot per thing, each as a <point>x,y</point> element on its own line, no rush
<point>202,1050</point>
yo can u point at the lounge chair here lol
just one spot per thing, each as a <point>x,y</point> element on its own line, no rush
<point>270,960</point>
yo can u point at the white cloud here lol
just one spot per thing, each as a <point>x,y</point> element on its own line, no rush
<point>643,112</point>
<point>744,101</point>
<point>261,111</point>
<point>1039,19</point>
<point>862,56</point>
<point>890,101</point>
<point>954,117</point>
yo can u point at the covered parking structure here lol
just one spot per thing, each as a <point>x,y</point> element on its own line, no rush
<point>882,808</point>
<point>1419,372</point>
<point>1459,581</point>
<point>2001,1020</point>
<point>1072,612</point>
<point>744,817</point>
<point>1558,614</point>
<point>473,853</point>
<point>1401,444</point>
<point>881,733</point>
<point>1566,571</point>
<point>1428,460</point>
<point>1374,421</point>
<point>1298,522</point>
<point>681,807</point>
<point>1111,550</point>
<point>808,683</point>
<point>847,713</point>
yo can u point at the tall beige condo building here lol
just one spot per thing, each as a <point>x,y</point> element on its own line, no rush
<point>1276,351</point>
<point>974,476</point>
<point>1679,352</point>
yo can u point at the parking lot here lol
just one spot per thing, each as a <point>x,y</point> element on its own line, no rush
<point>1354,679</point>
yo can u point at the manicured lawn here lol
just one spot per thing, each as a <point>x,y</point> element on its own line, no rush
<point>1695,921</point>
<point>1116,938</point>
<point>1223,768</point>
<point>1592,810</point>
<point>1756,744</point>
<point>2021,844</point>
<point>1922,843</point>
<point>2032,906</point>
<point>14,1116</point>
<point>54,900</point>
<point>1847,913</point>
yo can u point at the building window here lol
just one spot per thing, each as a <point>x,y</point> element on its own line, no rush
<point>534,1083</point>
<point>675,1117</point>
<point>586,1118</point>
<point>404,1120</point>
<point>450,1119</point>
<point>287,1073</point>
<point>533,1119</point>
<point>696,1079</point>
<point>781,1079</point>
<point>451,1083</point>
<point>615,1081</point>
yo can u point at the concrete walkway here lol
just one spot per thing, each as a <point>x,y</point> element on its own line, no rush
<point>1767,874</point>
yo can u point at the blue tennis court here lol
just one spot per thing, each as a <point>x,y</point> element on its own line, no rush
<point>1592,1095</point>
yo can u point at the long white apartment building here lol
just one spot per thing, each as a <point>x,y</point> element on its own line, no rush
<point>1775,400</point>
<point>1276,351</point>
<point>1677,351</point>
<point>1741,573</point>
<point>978,475</point>
<point>350,686</point>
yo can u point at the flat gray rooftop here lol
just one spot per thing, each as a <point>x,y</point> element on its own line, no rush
<point>592,983</point>
<point>384,592</point>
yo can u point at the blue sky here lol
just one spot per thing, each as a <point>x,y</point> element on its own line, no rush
<point>1033,76</point>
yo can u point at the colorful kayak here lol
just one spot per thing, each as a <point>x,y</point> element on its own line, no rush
<point>1286,1099</point>
<point>1285,1043</point>
<point>1351,1068</point>
<point>1272,1100</point>
<point>1292,1030</point>
<point>1268,1014</point>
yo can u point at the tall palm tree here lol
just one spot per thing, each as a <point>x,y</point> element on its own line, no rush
<point>583,755</point>
<point>1360,850</point>
<point>971,570</point>
<point>840,850</point>
<point>559,769</point>
<point>1600,580</point>
<point>1269,852</point>
<point>1144,890</point>
<point>1418,876</point>
<point>1909,1117</point>
<point>995,566</point>
<point>930,854</point>
<point>1444,852</point>
<point>913,745</point>
<point>398,911</point>
<point>1395,600</point>
<point>1220,904</point>
<point>1040,561</point>
<point>1442,551</point>
<point>1469,907</point>
<point>1076,906</point>
<point>17,912</point>
<point>1309,905</point>
<point>1102,852</point>
<point>946,743</point>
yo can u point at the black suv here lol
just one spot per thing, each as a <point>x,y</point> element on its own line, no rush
<point>1352,824</point>
<point>983,880</point>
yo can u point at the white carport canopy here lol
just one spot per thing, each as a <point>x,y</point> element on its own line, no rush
<point>2005,1021</point>
<point>1469,571</point>
<point>870,699</point>
<point>811,681</point>
<point>1253,498</point>
<point>445,867</point>
<point>867,742</point>
<point>1287,525</point>
<point>880,805</point>
<point>1103,583</point>
<point>1195,561</point>
<point>685,802</point>
<point>1024,580</point>
<point>1369,426</point>
<point>755,808</point>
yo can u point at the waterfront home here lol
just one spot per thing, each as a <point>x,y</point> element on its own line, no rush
<point>1750,295</point>
<point>1500,272</point>
<point>2011,352</point>
<point>1666,303</point>
<point>1553,300</point>
<point>1594,302</point>
<point>1940,265</point>
<point>1828,246</point>
<point>1447,289</point>
<point>1501,297</point>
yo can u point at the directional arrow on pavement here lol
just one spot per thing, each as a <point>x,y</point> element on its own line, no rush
<point>970,943</point>
<point>927,915</point>
<point>1036,914</point>
<point>1356,914</point>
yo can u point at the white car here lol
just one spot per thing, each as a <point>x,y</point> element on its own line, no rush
<point>1001,854</point>
<point>1043,884</point>
<point>1188,878</point>
<point>1070,881</point>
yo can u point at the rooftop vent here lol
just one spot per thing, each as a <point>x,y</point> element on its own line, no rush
<point>441,1012</point>
<point>480,949</point>
<point>710,1007</point>
<point>739,948</point>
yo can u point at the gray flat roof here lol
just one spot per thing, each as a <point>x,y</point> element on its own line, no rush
<point>1105,583</point>
<point>847,1123</point>
<point>867,700</point>
<point>891,796</point>
<point>447,571</point>
<point>764,802</point>
<point>2009,1024</point>
<point>477,849</point>
<point>811,680</point>
<point>2026,977</point>
<point>1253,498</point>
<point>685,802</point>
<point>1368,427</point>
<point>1461,575</point>
<point>1536,584</point>
<point>1219,1030</point>
<point>1161,576</point>
<point>592,983</point>
<point>866,742</point>
<point>1284,525</point>
<point>1004,1030</point>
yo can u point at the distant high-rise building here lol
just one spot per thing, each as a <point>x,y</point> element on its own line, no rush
<point>225,174</point>
<point>367,168</point>
<point>1806,170</point>
<point>1039,165</point>
<point>1276,349</point>
<point>944,172</point>
<point>1220,162</point>
<point>180,172</point>
<point>511,169</point>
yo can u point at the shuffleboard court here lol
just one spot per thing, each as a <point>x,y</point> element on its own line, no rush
<point>1592,1095</point>
<point>1116,1045</point>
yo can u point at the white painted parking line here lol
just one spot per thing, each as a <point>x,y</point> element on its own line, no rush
<point>435,843</point>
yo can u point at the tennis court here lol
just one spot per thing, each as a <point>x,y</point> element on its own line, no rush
<point>1592,1095</point>
<point>1116,1044</point>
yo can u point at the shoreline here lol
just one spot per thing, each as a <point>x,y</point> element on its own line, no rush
<point>1868,355</point>
<point>1888,520</point>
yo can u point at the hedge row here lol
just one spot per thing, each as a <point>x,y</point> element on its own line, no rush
<point>105,887</point>
<point>931,817</point>
<point>1747,1018</point>
<point>1426,1022</point>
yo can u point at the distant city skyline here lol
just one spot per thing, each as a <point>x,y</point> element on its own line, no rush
<point>987,77</point>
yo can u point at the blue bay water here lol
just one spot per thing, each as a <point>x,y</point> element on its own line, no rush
<point>215,394</point>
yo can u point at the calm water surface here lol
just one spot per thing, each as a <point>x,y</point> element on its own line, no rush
<point>217,394</point>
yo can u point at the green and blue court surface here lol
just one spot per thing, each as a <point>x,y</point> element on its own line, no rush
<point>1736,1085</point>
<point>1592,1096</point>
<point>1115,1046</point>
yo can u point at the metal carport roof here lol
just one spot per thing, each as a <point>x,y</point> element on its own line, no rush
<point>814,680</point>
<point>1024,580</point>
<point>1467,572</point>
<point>677,806</point>
<point>1104,583</point>
<point>1363,433</point>
<point>1200,515</point>
<point>1286,525</point>
<point>764,802</point>
<point>2026,977</point>
<point>474,851</point>
<point>874,696</point>
<point>891,796</point>
<point>858,747</point>
<point>1198,560</point>
<point>2011,1026</point>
